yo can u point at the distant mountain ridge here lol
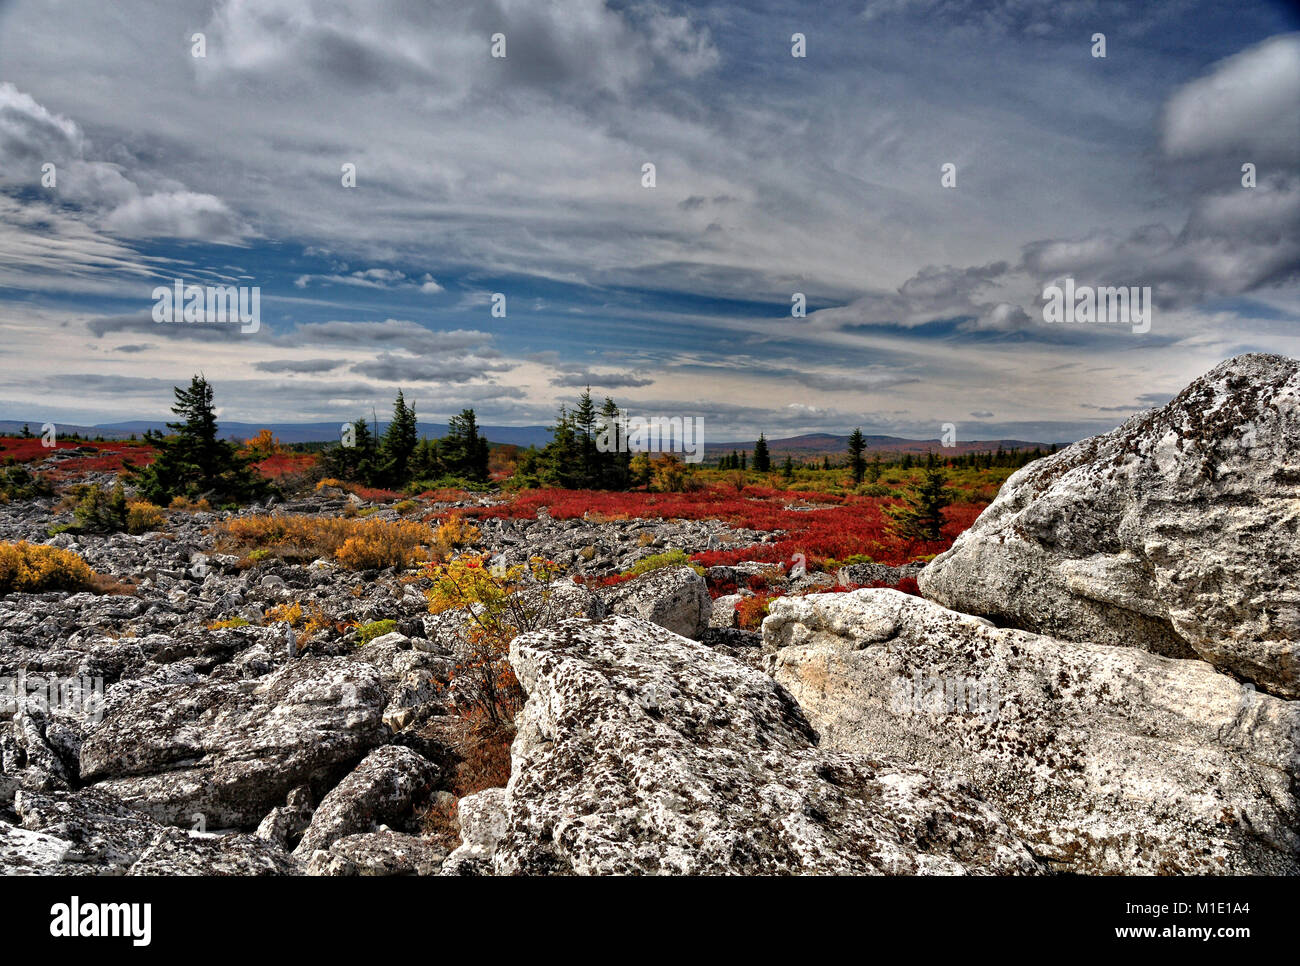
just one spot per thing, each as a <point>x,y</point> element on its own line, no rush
<point>806,445</point>
<point>829,444</point>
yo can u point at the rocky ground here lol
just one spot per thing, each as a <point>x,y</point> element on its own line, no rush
<point>1112,691</point>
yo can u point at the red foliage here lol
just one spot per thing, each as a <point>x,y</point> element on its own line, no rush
<point>281,465</point>
<point>106,457</point>
<point>831,526</point>
<point>374,494</point>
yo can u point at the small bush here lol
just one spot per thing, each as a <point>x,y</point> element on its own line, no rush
<point>33,568</point>
<point>290,614</point>
<point>99,510</point>
<point>142,516</point>
<point>378,544</point>
<point>751,611</point>
<point>228,623</point>
<point>454,534</point>
<point>497,605</point>
<point>660,561</point>
<point>19,483</point>
<point>368,632</point>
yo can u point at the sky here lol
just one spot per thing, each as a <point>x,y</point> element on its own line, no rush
<point>523,176</point>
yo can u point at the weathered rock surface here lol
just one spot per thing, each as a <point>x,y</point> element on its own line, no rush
<point>89,832</point>
<point>229,752</point>
<point>382,789</point>
<point>675,598</point>
<point>640,751</point>
<point>1104,759</point>
<point>380,853</point>
<point>1178,532</point>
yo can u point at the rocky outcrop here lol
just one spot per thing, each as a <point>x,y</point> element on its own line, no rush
<point>382,789</point>
<point>1104,759</point>
<point>76,833</point>
<point>675,598</point>
<point>1178,532</point>
<point>640,751</point>
<point>230,751</point>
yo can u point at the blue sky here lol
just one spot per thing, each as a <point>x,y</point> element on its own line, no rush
<point>523,176</point>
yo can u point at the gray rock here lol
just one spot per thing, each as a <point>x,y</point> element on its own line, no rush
<point>284,824</point>
<point>675,598</point>
<point>382,853</point>
<point>723,612</point>
<point>383,789</point>
<point>641,751</point>
<point>1176,532</point>
<point>483,823</point>
<point>1104,759</point>
<point>232,751</point>
<point>177,852</point>
<point>89,832</point>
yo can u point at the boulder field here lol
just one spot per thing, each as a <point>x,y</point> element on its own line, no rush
<point>1099,678</point>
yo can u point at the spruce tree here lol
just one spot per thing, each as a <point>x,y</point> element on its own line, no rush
<point>857,445</point>
<point>398,443</point>
<point>920,516</point>
<point>192,461</point>
<point>762,459</point>
<point>614,465</point>
<point>464,450</point>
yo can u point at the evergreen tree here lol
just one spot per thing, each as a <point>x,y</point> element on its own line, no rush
<point>398,444</point>
<point>426,461</point>
<point>787,468</point>
<point>614,464</point>
<point>874,468</point>
<point>464,451</point>
<point>584,435</point>
<point>192,461</point>
<point>920,516</point>
<point>762,459</point>
<point>744,458</point>
<point>857,446</point>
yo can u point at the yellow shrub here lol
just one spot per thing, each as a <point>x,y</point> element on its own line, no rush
<point>290,614</point>
<point>32,568</point>
<point>359,543</point>
<point>228,623</point>
<point>142,516</point>
<point>377,543</point>
<point>453,534</point>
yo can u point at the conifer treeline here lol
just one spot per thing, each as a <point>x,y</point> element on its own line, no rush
<point>587,451</point>
<point>401,457</point>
